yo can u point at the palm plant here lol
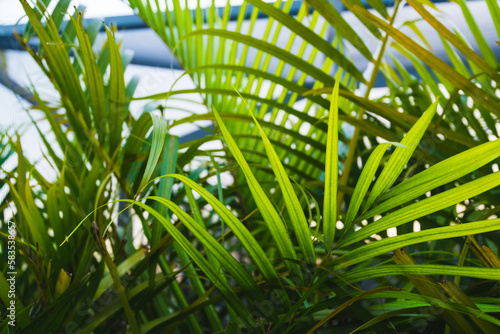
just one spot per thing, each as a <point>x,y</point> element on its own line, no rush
<point>300,241</point>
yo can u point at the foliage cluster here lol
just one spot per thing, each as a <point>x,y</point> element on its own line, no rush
<point>343,212</point>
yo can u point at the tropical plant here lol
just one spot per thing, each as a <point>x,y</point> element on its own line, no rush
<point>344,212</point>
